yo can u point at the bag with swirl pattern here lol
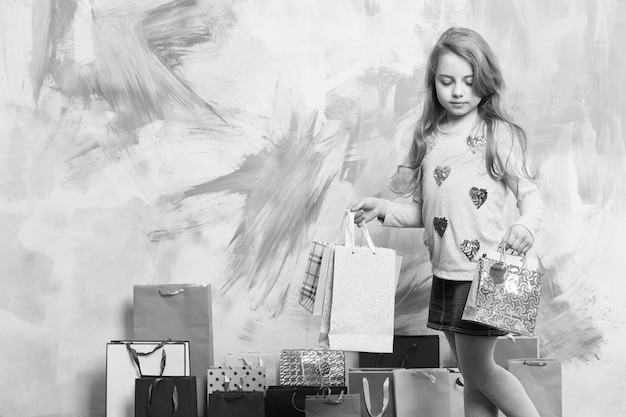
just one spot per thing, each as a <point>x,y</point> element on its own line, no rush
<point>505,293</point>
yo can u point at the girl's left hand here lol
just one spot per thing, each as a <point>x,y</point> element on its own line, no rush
<point>517,239</point>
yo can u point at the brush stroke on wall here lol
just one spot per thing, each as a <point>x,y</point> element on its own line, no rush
<point>211,141</point>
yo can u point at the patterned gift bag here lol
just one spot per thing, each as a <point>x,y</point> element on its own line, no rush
<point>505,293</point>
<point>316,277</point>
<point>231,378</point>
<point>312,367</point>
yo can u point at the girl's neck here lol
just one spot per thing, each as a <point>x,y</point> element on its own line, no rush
<point>460,124</point>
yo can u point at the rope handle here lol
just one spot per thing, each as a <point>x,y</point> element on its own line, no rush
<point>149,402</point>
<point>368,399</point>
<point>135,356</point>
<point>349,232</point>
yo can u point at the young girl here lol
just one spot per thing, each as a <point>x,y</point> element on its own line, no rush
<point>465,157</point>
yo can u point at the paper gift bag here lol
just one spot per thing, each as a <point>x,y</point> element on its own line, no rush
<point>166,397</point>
<point>376,388</point>
<point>314,367</point>
<point>315,277</point>
<point>422,392</point>
<point>517,347</point>
<point>256,359</point>
<point>363,295</point>
<point>236,403</point>
<point>457,404</point>
<point>408,352</point>
<point>178,312</point>
<point>289,401</point>
<point>542,381</point>
<point>128,360</point>
<point>330,405</point>
<point>505,293</point>
<point>236,378</point>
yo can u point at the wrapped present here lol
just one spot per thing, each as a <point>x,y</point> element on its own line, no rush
<point>312,367</point>
<point>505,293</point>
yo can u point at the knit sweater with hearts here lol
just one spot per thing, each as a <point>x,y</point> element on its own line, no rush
<point>463,210</point>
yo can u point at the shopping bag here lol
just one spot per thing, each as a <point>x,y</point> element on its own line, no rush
<point>457,404</point>
<point>289,401</point>
<point>313,367</point>
<point>165,396</point>
<point>363,295</point>
<point>178,312</point>
<point>542,381</point>
<point>515,347</point>
<point>376,388</point>
<point>236,403</point>
<point>332,405</point>
<point>408,352</point>
<point>315,277</point>
<point>127,360</point>
<point>505,293</point>
<point>256,359</point>
<point>422,392</point>
<point>236,378</point>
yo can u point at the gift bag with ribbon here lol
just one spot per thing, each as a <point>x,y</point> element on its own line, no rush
<point>178,312</point>
<point>256,359</point>
<point>129,360</point>
<point>408,352</point>
<point>422,392</point>
<point>332,405</point>
<point>376,388</point>
<point>542,381</point>
<point>505,293</point>
<point>236,378</point>
<point>236,403</point>
<point>316,277</point>
<point>313,367</point>
<point>289,401</point>
<point>166,396</point>
<point>363,294</point>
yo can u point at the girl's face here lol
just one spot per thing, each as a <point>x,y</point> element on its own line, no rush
<point>454,87</point>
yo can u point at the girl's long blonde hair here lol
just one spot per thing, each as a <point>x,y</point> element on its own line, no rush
<point>487,83</point>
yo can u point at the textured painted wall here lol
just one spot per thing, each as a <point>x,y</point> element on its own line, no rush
<point>210,141</point>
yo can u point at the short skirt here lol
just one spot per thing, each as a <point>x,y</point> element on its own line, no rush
<point>447,301</point>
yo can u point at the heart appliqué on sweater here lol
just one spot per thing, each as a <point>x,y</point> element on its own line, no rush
<point>470,248</point>
<point>441,173</point>
<point>475,142</point>
<point>440,224</point>
<point>478,196</point>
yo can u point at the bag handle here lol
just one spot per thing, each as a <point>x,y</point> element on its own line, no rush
<point>535,362</point>
<point>405,358</point>
<point>368,399</point>
<point>349,232</point>
<point>323,389</point>
<point>149,401</point>
<point>170,291</point>
<point>135,356</point>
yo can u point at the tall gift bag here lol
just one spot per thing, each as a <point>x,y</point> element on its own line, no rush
<point>178,312</point>
<point>363,295</point>
<point>542,381</point>
<point>422,392</point>
<point>505,293</point>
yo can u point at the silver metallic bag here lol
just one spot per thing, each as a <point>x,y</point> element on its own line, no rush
<point>312,367</point>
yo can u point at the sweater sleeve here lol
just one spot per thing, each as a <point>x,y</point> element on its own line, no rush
<point>529,199</point>
<point>404,213</point>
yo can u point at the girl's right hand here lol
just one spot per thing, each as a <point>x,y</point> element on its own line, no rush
<point>368,209</point>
